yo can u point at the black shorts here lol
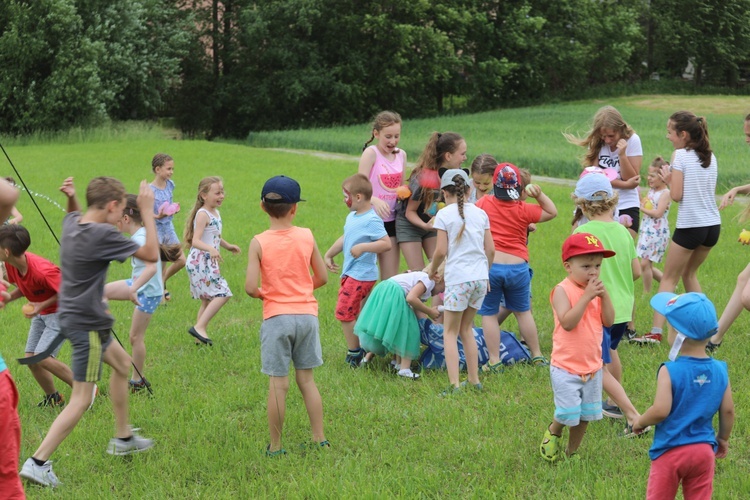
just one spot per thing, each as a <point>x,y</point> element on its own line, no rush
<point>390,228</point>
<point>635,214</point>
<point>693,237</point>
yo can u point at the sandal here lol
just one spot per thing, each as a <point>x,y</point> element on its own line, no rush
<point>711,347</point>
<point>167,295</point>
<point>630,433</point>
<point>496,368</point>
<point>276,453</point>
<point>550,447</point>
<point>477,387</point>
<point>539,361</point>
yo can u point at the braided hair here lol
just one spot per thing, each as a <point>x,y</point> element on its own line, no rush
<point>460,190</point>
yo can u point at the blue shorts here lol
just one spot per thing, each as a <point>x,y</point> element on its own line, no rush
<point>510,283</point>
<point>577,398</point>
<point>615,333</point>
<point>148,304</point>
<point>606,358</point>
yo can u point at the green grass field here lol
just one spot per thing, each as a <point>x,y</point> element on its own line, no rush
<point>391,437</point>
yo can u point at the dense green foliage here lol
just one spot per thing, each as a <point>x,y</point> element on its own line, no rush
<point>224,68</point>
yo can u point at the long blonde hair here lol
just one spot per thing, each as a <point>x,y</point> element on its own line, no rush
<point>204,186</point>
<point>606,117</point>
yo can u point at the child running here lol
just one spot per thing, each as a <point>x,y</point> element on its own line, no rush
<point>414,230</point>
<point>580,305</point>
<point>384,164</point>
<point>38,280</point>
<point>203,236</point>
<point>388,321</point>
<point>364,237</point>
<point>463,236</point>
<point>89,243</point>
<point>144,289</point>
<point>653,237</point>
<point>163,186</point>
<point>280,260</point>
<point>690,390</point>
<point>510,279</point>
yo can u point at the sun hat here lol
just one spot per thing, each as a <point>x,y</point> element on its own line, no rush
<point>507,181</point>
<point>287,188</point>
<point>588,185</point>
<point>583,244</point>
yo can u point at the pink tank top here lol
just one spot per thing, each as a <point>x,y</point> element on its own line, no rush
<point>386,176</point>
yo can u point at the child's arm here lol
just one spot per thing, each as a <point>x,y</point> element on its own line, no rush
<point>201,221</point>
<point>320,276</point>
<point>728,198</point>
<point>16,216</point>
<point>630,166</point>
<point>635,267</point>
<point>148,272</point>
<point>366,162</point>
<point>726,422</point>
<point>413,218</point>
<point>674,181</point>
<point>70,191</point>
<point>39,306</point>
<point>8,198</point>
<point>332,252</point>
<point>441,250</point>
<point>631,183</point>
<point>660,208</point>
<point>232,248</point>
<point>252,277</point>
<point>570,314</point>
<point>149,252</point>
<point>549,210</point>
<point>489,247</point>
<point>413,299</point>
<point>378,246</point>
<point>608,309</point>
<point>662,402</point>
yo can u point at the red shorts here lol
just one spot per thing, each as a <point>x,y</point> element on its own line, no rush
<point>351,295</point>
<point>691,464</point>
<point>10,439</point>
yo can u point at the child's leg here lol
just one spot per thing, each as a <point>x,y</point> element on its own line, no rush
<point>412,251</point>
<point>51,366</point>
<point>647,274</point>
<point>615,366</point>
<point>276,409</point>
<point>313,403</point>
<point>80,399</point>
<point>209,308</point>
<point>116,357</point>
<point>491,330</point>
<point>403,362</point>
<point>352,341</point>
<point>470,345</point>
<point>137,334</point>
<point>618,395</point>
<point>43,377</point>
<point>575,437</point>
<point>10,438</point>
<point>674,265</point>
<point>527,329</point>
<point>690,273</point>
<point>173,268</point>
<point>451,327</point>
<point>117,290</point>
<point>740,298</point>
<point>389,261</point>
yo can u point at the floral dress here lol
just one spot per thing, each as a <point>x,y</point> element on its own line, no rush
<point>206,281</point>
<point>653,236</point>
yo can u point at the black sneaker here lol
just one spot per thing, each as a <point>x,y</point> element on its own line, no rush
<point>611,411</point>
<point>711,348</point>
<point>139,386</point>
<point>355,359</point>
<point>53,400</point>
<point>631,334</point>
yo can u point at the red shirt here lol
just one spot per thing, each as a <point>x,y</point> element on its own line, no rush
<point>41,281</point>
<point>509,221</point>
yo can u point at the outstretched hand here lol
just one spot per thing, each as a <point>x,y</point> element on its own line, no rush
<point>68,188</point>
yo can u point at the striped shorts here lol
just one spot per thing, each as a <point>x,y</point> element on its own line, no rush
<point>88,349</point>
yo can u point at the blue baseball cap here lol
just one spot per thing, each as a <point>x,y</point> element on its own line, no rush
<point>287,188</point>
<point>588,185</point>
<point>691,314</point>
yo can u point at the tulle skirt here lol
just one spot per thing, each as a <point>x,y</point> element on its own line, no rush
<point>387,323</point>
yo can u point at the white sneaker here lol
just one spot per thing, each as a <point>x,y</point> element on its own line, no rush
<point>407,373</point>
<point>39,474</point>
<point>94,392</point>
<point>136,444</point>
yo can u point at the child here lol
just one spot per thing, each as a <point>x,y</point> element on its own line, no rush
<point>414,230</point>
<point>144,289</point>
<point>282,258</point>
<point>653,237</point>
<point>388,322</point>
<point>203,236</point>
<point>163,167</point>
<point>595,196</point>
<point>383,164</point>
<point>38,280</point>
<point>612,143</point>
<point>510,279</point>
<point>463,235</point>
<point>89,242</point>
<point>8,198</point>
<point>692,183</point>
<point>690,390</point>
<point>580,305</point>
<point>482,170</point>
<point>364,237</point>
<point>15,215</point>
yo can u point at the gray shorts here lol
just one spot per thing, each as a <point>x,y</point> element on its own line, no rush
<point>43,330</point>
<point>289,337</point>
<point>576,397</point>
<point>88,349</point>
<point>406,231</point>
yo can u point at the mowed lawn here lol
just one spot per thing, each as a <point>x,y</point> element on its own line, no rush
<point>390,437</point>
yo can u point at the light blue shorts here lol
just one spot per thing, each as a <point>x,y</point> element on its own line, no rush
<point>43,330</point>
<point>577,397</point>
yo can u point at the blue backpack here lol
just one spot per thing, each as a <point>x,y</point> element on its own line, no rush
<point>433,357</point>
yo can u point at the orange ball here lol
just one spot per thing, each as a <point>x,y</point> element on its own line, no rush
<point>27,308</point>
<point>403,192</point>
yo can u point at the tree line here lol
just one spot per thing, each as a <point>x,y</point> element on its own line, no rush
<point>226,68</point>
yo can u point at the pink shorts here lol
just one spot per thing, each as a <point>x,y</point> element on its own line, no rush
<point>691,464</point>
<point>351,295</point>
<point>10,439</point>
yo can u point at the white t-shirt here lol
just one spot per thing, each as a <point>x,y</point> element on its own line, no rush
<point>610,158</point>
<point>698,206</point>
<point>466,258</point>
<point>407,281</point>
